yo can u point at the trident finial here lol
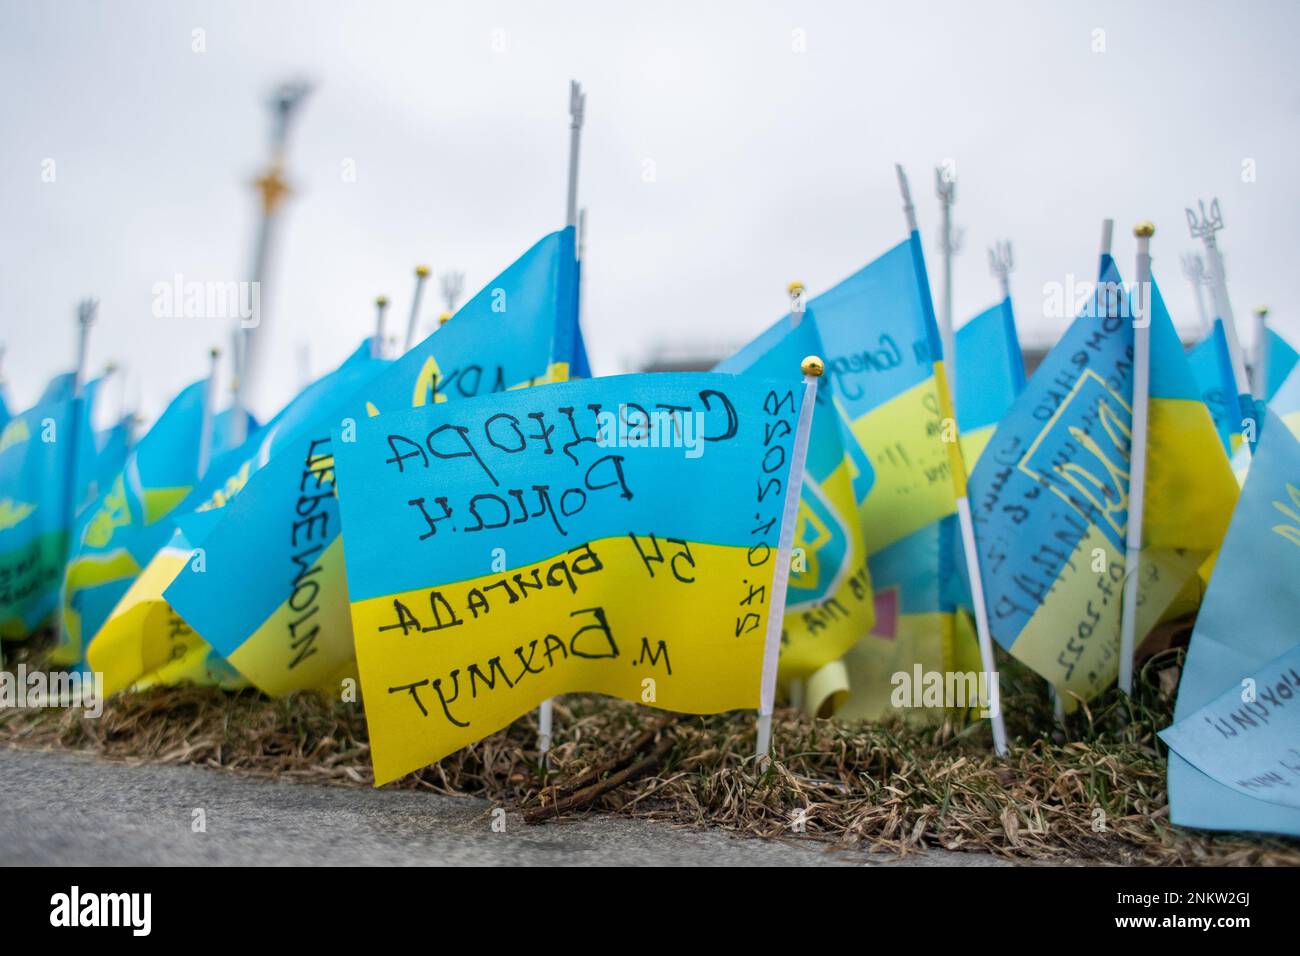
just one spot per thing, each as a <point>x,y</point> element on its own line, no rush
<point>453,284</point>
<point>1208,224</point>
<point>945,183</point>
<point>1194,268</point>
<point>945,187</point>
<point>1000,259</point>
<point>577,103</point>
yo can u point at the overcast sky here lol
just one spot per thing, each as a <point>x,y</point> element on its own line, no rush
<point>770,130</point>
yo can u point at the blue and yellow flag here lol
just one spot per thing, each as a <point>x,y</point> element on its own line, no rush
<point>1279,361</point>
<point>882,353</point>
<point>1212,369</point>
<point>617,535</point>
<point>990,376</point>
<point>118,534</point>
<point>143,633</point>
<point>273,599</point>
<point>1285,403</point>
<point>1050,495</point>
<point>48,467</point>
<point>886,377</point>
<point>146,643</point>
<point>1232,758</point>
<point>829,604</point>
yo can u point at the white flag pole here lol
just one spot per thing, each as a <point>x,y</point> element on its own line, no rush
<point>1138,453</point>
<point>577,108</point>
<point>812,368</point>
<point>453,284</point>
<point>1001,263</point>
<point>421,274</point>
<point>582,258</point>
<point>1204,228</point>
<point>86,310</point>
<point>945,187</point>
<point>965,521</point>
<point>209,411</point>
<point>1194,269</point>
<point>1261,353</point>
<point>377,343</point>
<point>272,189</point>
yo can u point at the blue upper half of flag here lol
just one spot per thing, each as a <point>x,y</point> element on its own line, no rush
<point>1280,359</point>
<point>1212,369</point>
<point>431,494</point>
<point>879,330</point>
<point>508,335</point>
<point>990,368</point>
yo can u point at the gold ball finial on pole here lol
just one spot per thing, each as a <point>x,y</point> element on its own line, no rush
<point>443,319</point>
<point>795,288</point>
<point>813,365</point>
<point>1261,311</point>
<point>381,300</point>
<point>214,353</point>
<point>422,272</point>
<point>1144,229</point>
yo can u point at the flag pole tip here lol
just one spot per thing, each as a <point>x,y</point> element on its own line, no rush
<point>381,300</point>
<point>1144,229</point>
<point>1261,311</point>
<point>813,365</point>
<point>422,271</point>
<point>442,319</point>
<point>795,288</point>
<point>214,352</point>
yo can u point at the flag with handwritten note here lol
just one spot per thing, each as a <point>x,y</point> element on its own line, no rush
<point>990,377</point>
<point>143,630</point>
<point>885,375</point>
<point>145,642</point>
<point>617,535</point>
<point>1050,495</point>
<point>273,598</point>
<point>829,605</point>
<point>1234,759</point>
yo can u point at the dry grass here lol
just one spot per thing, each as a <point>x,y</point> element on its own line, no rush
<point>885,786</point>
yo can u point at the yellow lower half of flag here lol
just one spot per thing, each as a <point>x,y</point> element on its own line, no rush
<point>1072,639</point>
<point>306,644</point>
<point>142,633</point>
<point>84,572</point>
<point>432,686</point>
<point>862,685</point>
<point>1190,488</point>
<point>817,635</point>
<point>914,485</point>
<point>829,544</point>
